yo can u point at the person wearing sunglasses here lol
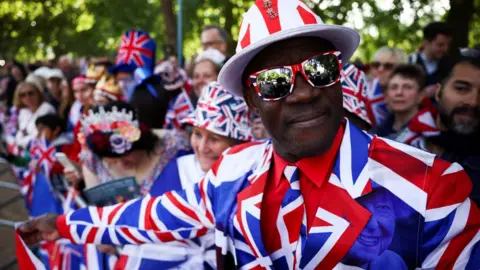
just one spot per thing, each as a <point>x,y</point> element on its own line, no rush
<point>305,198</point>
<point>384,61</point>
<point>30,100</point>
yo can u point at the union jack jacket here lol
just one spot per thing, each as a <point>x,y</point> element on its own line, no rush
<point>386,205</point>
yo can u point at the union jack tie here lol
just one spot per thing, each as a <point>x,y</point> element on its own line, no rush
<point>291,224</point>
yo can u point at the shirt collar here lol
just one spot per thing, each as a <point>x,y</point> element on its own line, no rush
<point>315,168</point>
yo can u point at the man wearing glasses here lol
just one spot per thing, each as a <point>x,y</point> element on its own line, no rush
<point>321,194</point>
<point>214,36</point>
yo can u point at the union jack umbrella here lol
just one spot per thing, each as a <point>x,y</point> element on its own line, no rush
<point>136,49</point>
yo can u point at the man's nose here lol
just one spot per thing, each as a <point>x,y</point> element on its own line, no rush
<point>303,92</point>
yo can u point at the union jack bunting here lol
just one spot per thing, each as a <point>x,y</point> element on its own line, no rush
<point>222,113</point>
<point>377,109</point>
<point>136,49</point>
<point>385,214</point>
<point>354,88</point>
<point>179,108</point>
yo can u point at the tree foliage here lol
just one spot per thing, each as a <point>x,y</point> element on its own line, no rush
<point>38,29</point>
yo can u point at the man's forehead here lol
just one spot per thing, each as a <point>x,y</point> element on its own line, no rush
<point>210,33</point>
<point>466,72</point>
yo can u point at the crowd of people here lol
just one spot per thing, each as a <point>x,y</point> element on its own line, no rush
<point>284,155</point>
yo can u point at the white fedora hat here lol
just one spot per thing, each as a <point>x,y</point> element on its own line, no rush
<point>270,21</point>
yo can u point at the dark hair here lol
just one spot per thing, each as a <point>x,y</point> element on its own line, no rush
<point>432,30</point>
<point>99,142</point>
<point>151,110</point>
<point>223,34</point>
<point>410,71</point>
<point>52,121</point>
<point>462,59</point>
<point>20,66</point>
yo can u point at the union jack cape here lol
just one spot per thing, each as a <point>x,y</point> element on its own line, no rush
<point>420,203</point>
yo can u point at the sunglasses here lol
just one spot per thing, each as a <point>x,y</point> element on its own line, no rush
<point>386,66</point>
<point>319,71</point>
<point>29,93</point>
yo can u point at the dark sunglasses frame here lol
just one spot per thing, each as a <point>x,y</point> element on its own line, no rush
<point>29,93</point>
<point>252,80</point>
<point>387,66</point>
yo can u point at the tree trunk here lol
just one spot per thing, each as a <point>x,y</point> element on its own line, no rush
<point>170,21</point>
<point>459,18</point>
<point>229,21</point>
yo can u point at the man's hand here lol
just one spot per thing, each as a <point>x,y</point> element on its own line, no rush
<point>40,228</point>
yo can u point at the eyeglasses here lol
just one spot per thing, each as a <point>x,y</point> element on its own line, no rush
<point>386,66</point>
<point>319,71</point>
<point>209,44</point>
<point>28,93</point>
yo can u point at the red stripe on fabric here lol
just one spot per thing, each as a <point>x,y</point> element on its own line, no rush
<point>187,211</point>
<point>246,38</point>
<point>63,228</point>
<point>204,198</point>
<point>202,232</point>
<point>121,263</point>
<point>141,39</point>
<point>241,147</point>
<point>273,24</point>
<point>130,235</point>
<point>307,17</point>
<point>137,60</point>
<point>149,224</point>
<point>454,188</point>
<point>100,212</point>
<point>91,235</point>
<point>24,259</point>
<point>165,236</point>
<point>410,168</point>
<point>458,244</point>
<point>112,214</point>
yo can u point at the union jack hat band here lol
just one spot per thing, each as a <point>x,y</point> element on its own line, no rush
<point>221,113</point>
<point>270,21</point>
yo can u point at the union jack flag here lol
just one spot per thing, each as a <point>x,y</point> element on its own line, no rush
<point>373,192</point>
<point>179,108</point>
<point>376,108</point>
<point>421,126</point>
<point>354,88</point>
<point>137,49</point>
<point>43,154</point>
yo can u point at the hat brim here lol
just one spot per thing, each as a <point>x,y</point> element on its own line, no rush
<point>344,39</point>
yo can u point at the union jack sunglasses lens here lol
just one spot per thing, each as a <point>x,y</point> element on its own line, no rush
<point>277,83</point>
<point>322,70</point>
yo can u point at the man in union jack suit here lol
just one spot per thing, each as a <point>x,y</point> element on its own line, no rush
<point>321,194</point>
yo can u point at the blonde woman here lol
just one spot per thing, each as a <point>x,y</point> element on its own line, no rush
<point>29,99</point>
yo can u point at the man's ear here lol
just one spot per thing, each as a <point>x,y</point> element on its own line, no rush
<point>438,92</point>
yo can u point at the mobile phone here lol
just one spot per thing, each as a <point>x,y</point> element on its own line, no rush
<point>65,161</point>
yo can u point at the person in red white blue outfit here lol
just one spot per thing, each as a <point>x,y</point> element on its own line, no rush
<point>136,50</point>
<point>321,194</point>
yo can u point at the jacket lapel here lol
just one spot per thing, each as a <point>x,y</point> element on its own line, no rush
<point>249,209</point>
<point>340,220</point>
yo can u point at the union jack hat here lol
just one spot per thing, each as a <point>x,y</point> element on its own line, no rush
<point>136,49</point>
<point>270,21</point>
<point>220,112</point>
<point>354,86</point>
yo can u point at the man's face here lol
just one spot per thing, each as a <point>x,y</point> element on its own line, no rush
<point>438,47</point>
<point>211,39</point>
<point>304,123</point>
<point>403,95</point>
<point>459,100</point>
<point>83,93</point>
